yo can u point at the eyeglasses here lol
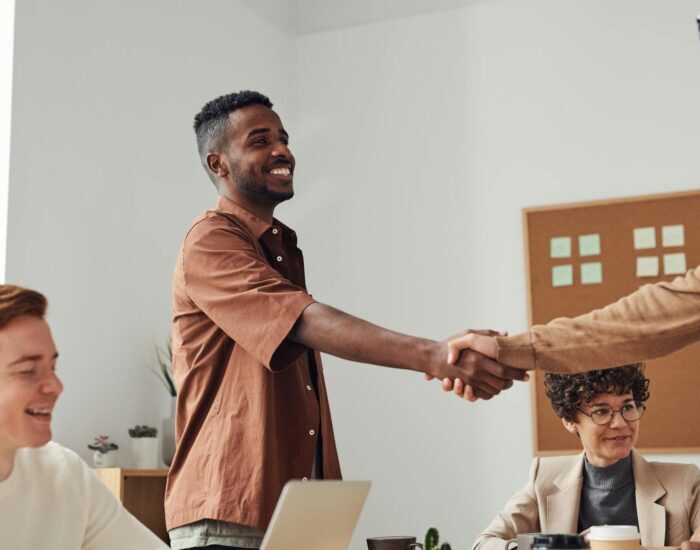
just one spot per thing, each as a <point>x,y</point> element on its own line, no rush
<point>630,411</point>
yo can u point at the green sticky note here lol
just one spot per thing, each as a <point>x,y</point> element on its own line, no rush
<point>644,238</point>
<point>591,273</point>
<point>562,275</point>
<point>648,266</point>
<point>673,235</point>
<point>674,264</point>
<point>589,245</point>
<point>560,247</point>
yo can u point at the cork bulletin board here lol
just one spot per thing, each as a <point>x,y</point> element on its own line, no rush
<point>584,256</point>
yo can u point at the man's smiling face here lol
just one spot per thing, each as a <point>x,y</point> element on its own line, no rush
<point>256,151</point>
<point>29,386</point>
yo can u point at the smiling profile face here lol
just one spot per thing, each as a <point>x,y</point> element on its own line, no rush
<point>255,160</point>
<point>608,444</point>
<point>29,386</point>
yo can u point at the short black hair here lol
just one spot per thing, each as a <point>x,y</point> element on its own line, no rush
<point>211,121</point>
<point>568,392</point>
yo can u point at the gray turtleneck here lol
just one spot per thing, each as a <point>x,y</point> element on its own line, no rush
<point>607,495</point>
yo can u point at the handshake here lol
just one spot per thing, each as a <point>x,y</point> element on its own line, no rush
<point>475,373</point>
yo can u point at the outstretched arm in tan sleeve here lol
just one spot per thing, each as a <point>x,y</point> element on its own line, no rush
<point>652,322</point>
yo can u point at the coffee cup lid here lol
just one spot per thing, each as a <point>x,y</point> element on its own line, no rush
<point>614,532</point>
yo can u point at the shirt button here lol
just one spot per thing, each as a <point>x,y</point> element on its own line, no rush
<point>312,432</point>
<point>279,258</point>
<point>275,231</point>
<point>308,388</point>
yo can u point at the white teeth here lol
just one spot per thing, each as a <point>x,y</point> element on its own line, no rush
<point>39,411</point>
<point>280,171</point>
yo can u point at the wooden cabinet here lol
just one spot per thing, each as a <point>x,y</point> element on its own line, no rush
<point>141,492</point>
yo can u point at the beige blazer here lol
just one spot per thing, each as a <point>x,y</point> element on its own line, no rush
<point>667,495</point>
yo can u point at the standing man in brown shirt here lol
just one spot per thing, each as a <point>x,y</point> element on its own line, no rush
<point>252,407</point>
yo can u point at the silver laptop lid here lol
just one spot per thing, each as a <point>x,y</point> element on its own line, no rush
<point>316,515</point>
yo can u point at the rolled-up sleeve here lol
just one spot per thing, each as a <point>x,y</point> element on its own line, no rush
<point>232,283</point>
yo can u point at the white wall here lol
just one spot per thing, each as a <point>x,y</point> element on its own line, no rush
<point>418,143</point>
<point>422,140</point>
<point>7,34</point>
<point>105,179</point>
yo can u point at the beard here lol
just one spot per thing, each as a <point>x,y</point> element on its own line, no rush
<point>255,187</point>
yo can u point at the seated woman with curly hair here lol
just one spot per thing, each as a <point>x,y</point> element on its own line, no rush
<point>609,483</point>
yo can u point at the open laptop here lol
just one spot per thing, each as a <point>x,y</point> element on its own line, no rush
<point>316,515</point>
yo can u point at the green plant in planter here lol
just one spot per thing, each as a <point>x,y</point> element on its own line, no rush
<point>164,371</point>
<point>432,539</point>
<point>143,431</point>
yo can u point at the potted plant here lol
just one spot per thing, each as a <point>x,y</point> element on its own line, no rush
<point>144,444</point>
<point>164,373</point>
<point>102,446</point>
<point>432,539</point>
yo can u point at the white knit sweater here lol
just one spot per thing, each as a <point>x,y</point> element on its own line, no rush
<point>52,501</point>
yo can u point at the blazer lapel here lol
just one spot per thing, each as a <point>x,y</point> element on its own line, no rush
<point>561,515</point>
<point>648,490</point>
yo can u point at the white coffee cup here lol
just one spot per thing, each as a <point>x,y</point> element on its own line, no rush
<point>614,537</point>
<point>525,540</point>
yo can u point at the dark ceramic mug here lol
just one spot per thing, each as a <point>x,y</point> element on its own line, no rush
<point>393,543</point>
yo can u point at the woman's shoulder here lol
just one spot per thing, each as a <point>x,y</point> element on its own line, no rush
<point>674,469</point>
<point>672,475</point>
<point>557,463</point>
<point>557,471</point>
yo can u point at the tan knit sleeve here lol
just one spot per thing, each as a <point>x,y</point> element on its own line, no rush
<point>652,322</point>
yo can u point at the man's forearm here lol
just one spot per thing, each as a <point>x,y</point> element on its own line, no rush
<point>332,331</point>
<point>329,330</point>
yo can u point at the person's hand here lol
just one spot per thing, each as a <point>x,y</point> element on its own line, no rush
<point>465,340</point>
<point>466,343</point>
<point>690,545</point>
<point>483,341</point>
<point>478,376</point>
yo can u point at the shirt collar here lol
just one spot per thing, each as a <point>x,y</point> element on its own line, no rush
<point>609,477</point>
<point>257,226</point>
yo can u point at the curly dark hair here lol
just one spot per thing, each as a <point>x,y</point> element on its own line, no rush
<point>568,392</point>
<point>211,121</point>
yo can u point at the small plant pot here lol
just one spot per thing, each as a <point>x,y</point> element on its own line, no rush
<point>104,460</point>
<point>145,452</point>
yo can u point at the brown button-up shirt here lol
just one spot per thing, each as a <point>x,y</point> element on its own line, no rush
<point>251,404</point>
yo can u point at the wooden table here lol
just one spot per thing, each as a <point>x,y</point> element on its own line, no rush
<point>141,492</point>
